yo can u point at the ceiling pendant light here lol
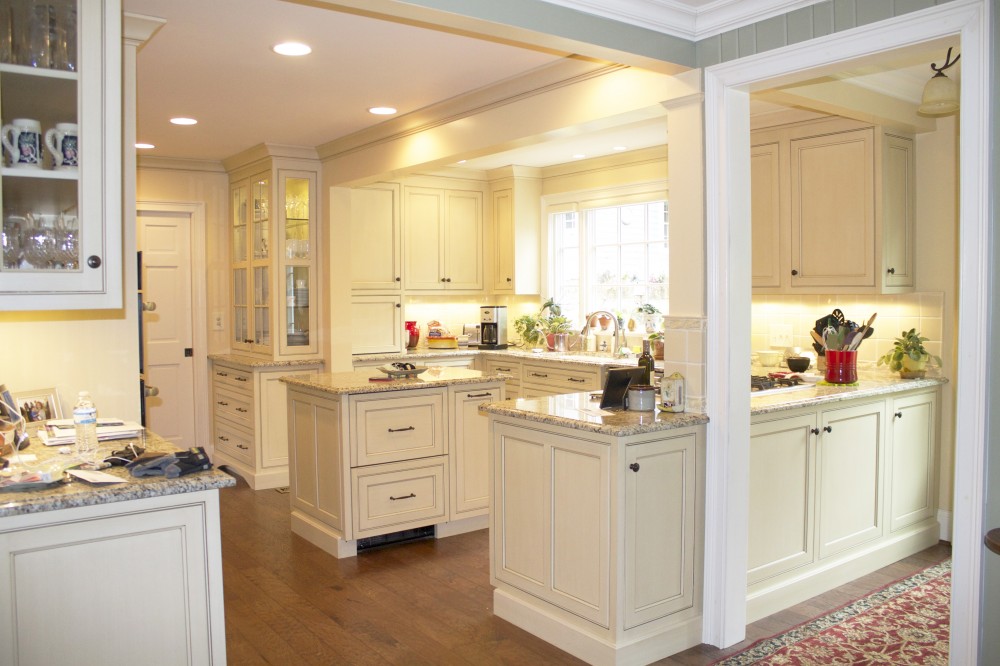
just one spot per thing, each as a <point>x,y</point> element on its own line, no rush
<point>941,93</point>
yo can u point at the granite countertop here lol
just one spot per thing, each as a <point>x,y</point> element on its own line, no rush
<point>578,411</point>
<point>359,381</point>
<point>871,384</point>
<point>251,362</point>
<point>570,358</point>
<point>77,493</point>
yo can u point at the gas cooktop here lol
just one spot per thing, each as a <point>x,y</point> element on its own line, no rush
<point>767,385</point>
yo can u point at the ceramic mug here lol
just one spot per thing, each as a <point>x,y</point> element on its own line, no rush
<point>23,140</point>
<point>63,142</point>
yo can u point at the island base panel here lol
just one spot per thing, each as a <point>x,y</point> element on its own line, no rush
<point>266,480</point>
<point>642,647</point>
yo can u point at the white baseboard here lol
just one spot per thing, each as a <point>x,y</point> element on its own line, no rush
<point>461,526</point>
<point>944,520</point>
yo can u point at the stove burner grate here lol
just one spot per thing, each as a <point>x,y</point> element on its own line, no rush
<point>761,383</point>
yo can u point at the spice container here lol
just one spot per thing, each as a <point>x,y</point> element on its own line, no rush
<point>672,393</point>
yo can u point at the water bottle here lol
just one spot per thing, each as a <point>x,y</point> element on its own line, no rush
<point>85,426</point>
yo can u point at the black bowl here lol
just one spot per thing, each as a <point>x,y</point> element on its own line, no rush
<point>798,363</point>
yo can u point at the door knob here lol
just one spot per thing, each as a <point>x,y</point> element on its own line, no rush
<point>148,306</point>
<point>150,391</point>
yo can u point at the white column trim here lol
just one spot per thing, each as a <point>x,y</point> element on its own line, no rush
<point>727,185</point>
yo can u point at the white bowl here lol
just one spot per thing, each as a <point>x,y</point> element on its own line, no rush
<point>769,357</point>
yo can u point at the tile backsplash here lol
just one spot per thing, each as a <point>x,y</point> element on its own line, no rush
<point>773,316</point>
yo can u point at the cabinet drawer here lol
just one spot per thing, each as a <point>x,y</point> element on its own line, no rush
<point>233,406</point>
<point>399,496</point>
<point>562,380</point>
<point>241,380</point>
<point>233,442</point>
<point>512,368</point>
<point>393,429</point>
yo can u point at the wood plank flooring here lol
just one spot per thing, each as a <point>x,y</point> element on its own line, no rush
<point>426,602</point>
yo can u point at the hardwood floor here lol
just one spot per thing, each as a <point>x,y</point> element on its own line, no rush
<point>426,602</point>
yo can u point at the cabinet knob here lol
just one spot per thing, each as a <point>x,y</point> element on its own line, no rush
<point>399,305</point>
<point>509,280</point>
<point>448,280</point>
<point>827,429</point>
<point>634,467</point>
<point>891,271</point>
<point>399,279</point>
<point>897,415</point>
<point>814,431</point>
<point>94,261</point>
<point>794,272</point>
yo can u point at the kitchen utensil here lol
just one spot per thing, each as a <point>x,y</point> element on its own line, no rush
<point>839,316</point>
<point>797,363</point>
<point>63,142</point>
<point>22,138</point>
<point>819,340</point>
<point>864,332</point>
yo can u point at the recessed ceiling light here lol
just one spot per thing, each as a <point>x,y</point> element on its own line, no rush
<point>184,121</point>
<point>579,156</point>
<point>382,110</point>
<point>619,148</point>
<point>292,49</point>
<point>144,146</point>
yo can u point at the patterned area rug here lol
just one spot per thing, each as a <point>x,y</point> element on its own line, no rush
<point>905,622</point>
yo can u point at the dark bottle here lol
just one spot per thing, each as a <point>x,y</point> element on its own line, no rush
<point>646,363</point>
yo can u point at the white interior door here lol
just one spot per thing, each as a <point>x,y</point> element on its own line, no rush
<point>165,241</point>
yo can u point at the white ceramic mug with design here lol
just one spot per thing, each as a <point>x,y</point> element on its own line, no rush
<point>23,140</point>
<point>64,143</point>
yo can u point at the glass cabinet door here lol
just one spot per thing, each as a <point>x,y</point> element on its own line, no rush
<point>58,251</point>
<point>297,194</point>
<point>238,231</point>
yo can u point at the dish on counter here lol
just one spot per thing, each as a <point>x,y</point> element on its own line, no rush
<point>809,379</point>
<point>401,370</point>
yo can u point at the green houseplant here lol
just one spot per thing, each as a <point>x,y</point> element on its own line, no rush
<point>535,329</point>
<point>908,356</point>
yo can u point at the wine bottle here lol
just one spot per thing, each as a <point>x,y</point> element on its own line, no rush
<point>646,363</point>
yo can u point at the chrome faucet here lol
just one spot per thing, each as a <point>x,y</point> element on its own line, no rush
<point>616,351</point>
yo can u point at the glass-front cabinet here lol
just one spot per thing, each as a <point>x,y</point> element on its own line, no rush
<point>273,212</point>
<point>60,179</point>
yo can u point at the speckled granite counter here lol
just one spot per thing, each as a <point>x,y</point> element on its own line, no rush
<point>871,384</point>
<point>360,381</point>
<point>578,411</point>
<point>250,363</point>
<point>427,356</point>
<point>78,493</point>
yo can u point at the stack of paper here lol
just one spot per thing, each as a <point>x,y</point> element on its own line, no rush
<point>58,432</point>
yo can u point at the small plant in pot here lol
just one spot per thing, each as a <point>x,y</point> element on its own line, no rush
<point>656,342</point>
<point>908,356</point>
<point>536,330</point>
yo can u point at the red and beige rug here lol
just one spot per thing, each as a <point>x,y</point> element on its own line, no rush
<point>905,622</point>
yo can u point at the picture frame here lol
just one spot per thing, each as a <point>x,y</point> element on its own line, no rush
<point>39,405</point>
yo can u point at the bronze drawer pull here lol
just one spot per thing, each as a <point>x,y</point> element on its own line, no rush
<point>538,374</point>
<point>574,379</point>
<point>222,402</point>
<point>241,409</point>
<point>411,495</point>
<point>243,446</point>
<point>401,429</point>
<point>478,395</point>
<point>223,439</point>
<point>241,379</point>
<point>499,369</point>
<point>222,374</point>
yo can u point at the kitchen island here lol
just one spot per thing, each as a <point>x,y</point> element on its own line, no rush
<point>123,573</point>
<point>370,457</point>
<point>858,469</point>
<point>596,539</point>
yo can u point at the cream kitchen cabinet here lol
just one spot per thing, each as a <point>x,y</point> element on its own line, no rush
<point>858,491</point>
<point>443,239</point>
<point>274,251</point>
<point>249,421</point>
<point>470,455</point>
<point>543,379</point>
<point>507,366</point>
<point>832,208</point>
<point>376,239</point>
<point>62,234</point>
<point>376,324</point>
<point>516,206</point>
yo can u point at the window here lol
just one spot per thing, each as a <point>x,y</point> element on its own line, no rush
<point>610,258</point>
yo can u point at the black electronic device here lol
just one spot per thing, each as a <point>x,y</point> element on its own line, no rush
<point>616,386</point>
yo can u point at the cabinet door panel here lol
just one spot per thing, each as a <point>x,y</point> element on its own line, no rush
<point>833,210</point>
<point>424,211</point>
<point>911,466</point>
<point>503,241</point>
<point>394,429</point>
<point>464,240</point>
<point>660,498</point>
<point>765,215</point>
<point>781,514</point>
<point>850,463</point>
<point>376,324</point>
<point>375,237</point>
<point>470,453</point>
<point>898,186</point>
<point>521,511</point>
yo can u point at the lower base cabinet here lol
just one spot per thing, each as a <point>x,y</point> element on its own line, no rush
<point>857,491</point>
<point>596,541</point>
<point>132,582</point>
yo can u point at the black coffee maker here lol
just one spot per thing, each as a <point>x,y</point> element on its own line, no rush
<point>493,327</point>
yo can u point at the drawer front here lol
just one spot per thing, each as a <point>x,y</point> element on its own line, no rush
<point>240,380</point>
<point>395,429</point>
<point>233,406</point>
<point>399,496</point>
<point>562,380</point>
<point>512,368</point>
<point>233,442</point>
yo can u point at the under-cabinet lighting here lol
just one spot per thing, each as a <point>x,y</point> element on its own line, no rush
<point>144,146</point>
<point>184,121</point>
<point>382,110</point>
<point>579,156</point>
<point>292,49</point>
<point>619,148</point>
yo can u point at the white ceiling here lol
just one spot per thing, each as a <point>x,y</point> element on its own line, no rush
<point>212,60</point>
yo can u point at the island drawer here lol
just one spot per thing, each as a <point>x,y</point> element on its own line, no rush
<point>398,428</point>
<point>233,406</point>
<point>505,366</point>
<point>399,496</point>
<point>234,377</point>
<point>233,442</point>
<point>563,380</point>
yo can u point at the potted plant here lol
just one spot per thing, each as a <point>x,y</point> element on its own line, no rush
<point>656,342</point>
<point>908,356</point>
<point>648,312</point>
<point>536,329</point>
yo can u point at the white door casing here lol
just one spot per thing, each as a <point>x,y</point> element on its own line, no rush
<point>170,236</point>
<point>727,154</point>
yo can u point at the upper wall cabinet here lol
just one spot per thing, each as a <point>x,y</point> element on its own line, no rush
<point>443,239</point>
<point>832,209</point>
<point>60,90</point>
<point>516,214</point>
<point>274,299</point>
<point>376,238</point>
